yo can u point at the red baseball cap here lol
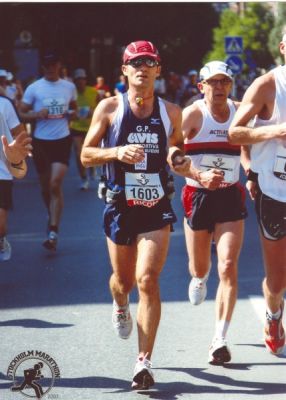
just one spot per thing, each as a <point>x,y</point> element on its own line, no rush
<point>139,49</point>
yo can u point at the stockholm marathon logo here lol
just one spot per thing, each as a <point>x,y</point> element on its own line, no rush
<point>33,373</point>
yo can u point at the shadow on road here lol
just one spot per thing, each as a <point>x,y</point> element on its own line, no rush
<point>78,273</point>
<point>34,323</point>
<point>174,390</point>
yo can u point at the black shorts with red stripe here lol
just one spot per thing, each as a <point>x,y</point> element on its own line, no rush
<point>205,208</point>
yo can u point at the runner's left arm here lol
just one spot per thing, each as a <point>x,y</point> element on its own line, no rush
<point>176,156</point>
<point>72,111</point>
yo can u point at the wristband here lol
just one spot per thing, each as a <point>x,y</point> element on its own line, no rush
<point>17,165</point>
<point>18,170</point>
<point>252,176</point>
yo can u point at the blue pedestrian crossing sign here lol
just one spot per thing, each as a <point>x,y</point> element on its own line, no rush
<point>235,63</point>
<point>233,45</point>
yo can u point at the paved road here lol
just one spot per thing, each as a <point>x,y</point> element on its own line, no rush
<point>59,304</point>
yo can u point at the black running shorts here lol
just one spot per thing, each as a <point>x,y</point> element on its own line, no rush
<point>271,216</point>
<point>6,200</point>
<point>205,208</point>
<point>46,152</point>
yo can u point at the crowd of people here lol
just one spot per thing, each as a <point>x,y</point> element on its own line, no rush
<point>140,136</point>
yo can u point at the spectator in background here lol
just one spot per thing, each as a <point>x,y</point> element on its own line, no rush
<point>160,87</point>
<point>173,87</point>
<point>14,89</point>
<point>120,86</point>
<point>191,88</point>
<point>102,89</point>
<point>87,100</point>
<point>3,82</point>
<point>64,74</point>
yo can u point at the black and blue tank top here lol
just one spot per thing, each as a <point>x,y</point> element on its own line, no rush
<point>151,132</point>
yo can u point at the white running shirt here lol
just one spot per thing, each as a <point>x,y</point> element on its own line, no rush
<point>56,97</point>
<point>8,120</point>
<point>268,158</point>
<point>210,147</point>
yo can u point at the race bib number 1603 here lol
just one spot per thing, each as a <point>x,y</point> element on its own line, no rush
<point>143,189</point>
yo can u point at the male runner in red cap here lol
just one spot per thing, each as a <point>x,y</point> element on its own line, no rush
<point>139,132</point>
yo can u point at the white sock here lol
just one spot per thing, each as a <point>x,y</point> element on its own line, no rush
<point>272,315</point>
<point>121,307</point>
<point>221,329</point>
<point>204,278</point>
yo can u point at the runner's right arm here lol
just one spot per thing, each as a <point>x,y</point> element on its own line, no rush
<point>258,100</point>
<point>27,115</point>
<point>92,154</point>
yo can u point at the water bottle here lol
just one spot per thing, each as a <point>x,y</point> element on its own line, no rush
<point>112,195</point>
<point>102,187</point>
<point>170,187</point>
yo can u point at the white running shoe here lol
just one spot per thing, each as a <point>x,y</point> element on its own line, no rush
<point>51,242</point>
<point>5,249</point>
<point>143,376</point>
<point>122,320</point>
<point>197,290</point>
<point>219,352</point>
<point>84,185</point>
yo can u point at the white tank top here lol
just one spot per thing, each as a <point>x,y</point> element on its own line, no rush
<point>268,158</point>
<point>210,147</point>
<point>8,121</point>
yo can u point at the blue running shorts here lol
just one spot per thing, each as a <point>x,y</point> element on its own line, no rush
<point>122,223</point>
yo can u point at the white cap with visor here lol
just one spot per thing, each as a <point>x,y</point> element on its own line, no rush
<point>215,68</point>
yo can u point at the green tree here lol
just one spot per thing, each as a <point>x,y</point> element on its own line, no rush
<point>276,33</point>
<point>253,24</point>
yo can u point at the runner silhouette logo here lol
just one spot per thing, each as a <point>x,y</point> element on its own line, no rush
<point>33,373</point>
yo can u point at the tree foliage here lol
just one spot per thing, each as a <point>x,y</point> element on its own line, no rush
<point>276,33</point>
<point>253,24</point>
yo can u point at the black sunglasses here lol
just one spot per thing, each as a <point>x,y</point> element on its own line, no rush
<point>138,62</point>
<point>215,82</point>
